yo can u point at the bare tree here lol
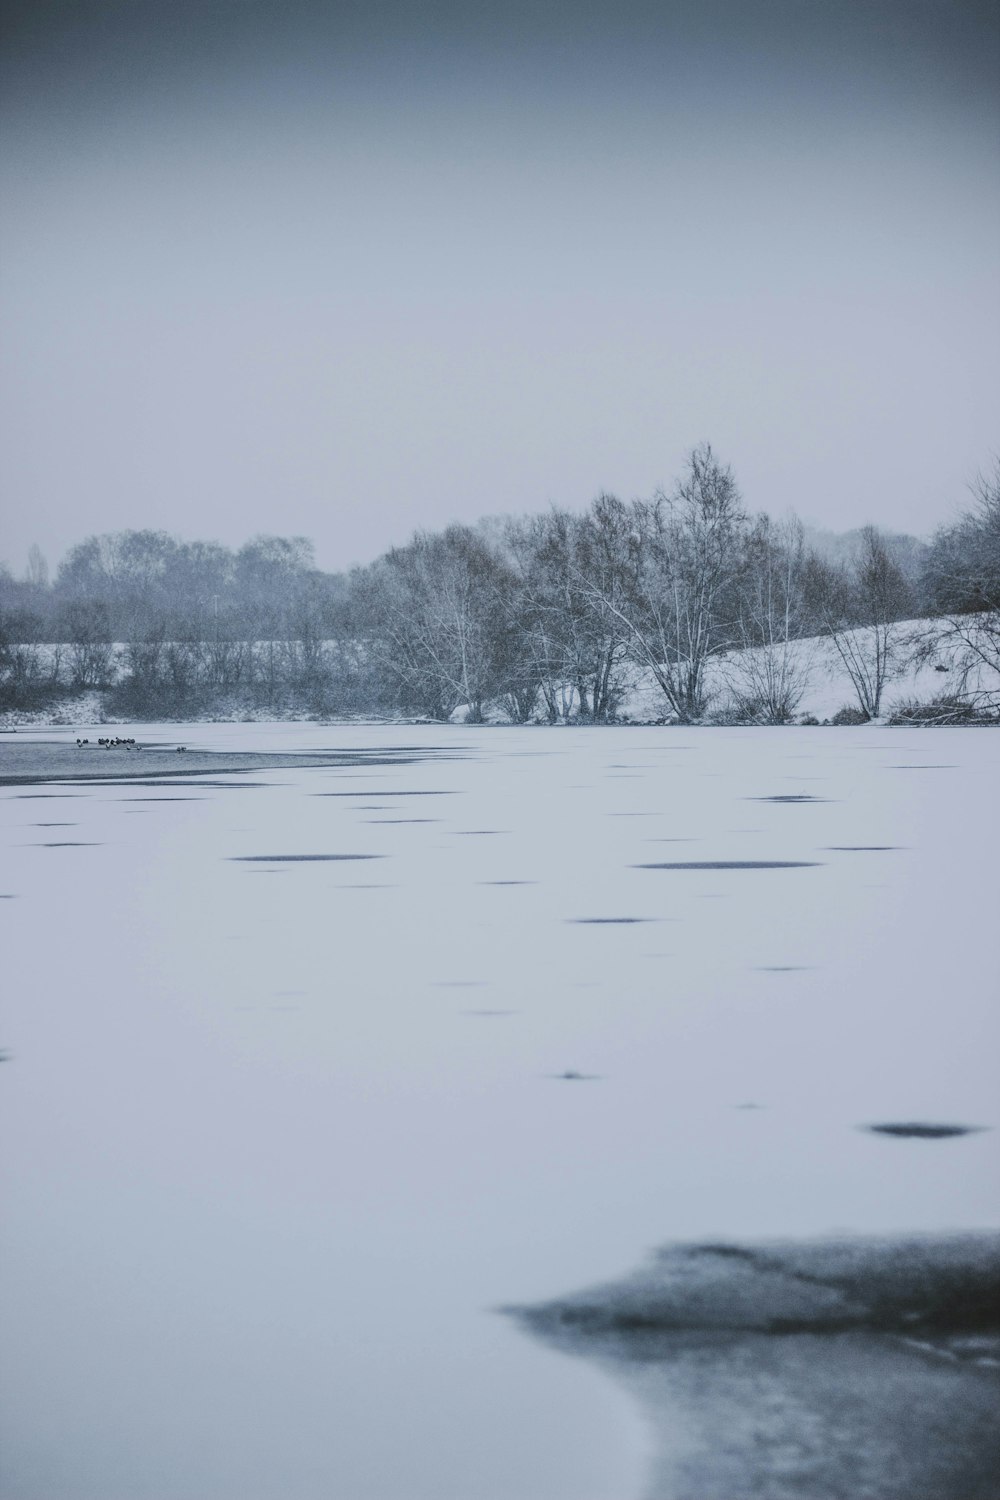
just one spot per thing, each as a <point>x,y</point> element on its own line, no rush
<point>432,621</point>
<point>680,607</point>
<point>962,579</point>
<point>145,660</point>
<point>38,568</point>
<point>86,629</point>
<point>20,658</point>
<point>537,646</point>
<point>865,610</point>
<point>580,629</point>
<point>770,672</point>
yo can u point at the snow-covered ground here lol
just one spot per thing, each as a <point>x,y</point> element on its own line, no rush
<point>281,1133</point>
<point>918,673</point>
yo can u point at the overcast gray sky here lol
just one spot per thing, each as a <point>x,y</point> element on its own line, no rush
<point>346,269</point>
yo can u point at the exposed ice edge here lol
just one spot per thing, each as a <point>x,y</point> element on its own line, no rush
<point>912,1285</point>
<point>838,1369</point>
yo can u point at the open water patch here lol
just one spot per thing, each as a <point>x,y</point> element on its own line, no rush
<point>862,848</point>
<point>920,1130</point>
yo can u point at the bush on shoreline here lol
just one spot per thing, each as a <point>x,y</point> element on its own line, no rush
<point>947,710</point>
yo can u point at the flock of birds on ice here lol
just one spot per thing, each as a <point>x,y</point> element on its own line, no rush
<point>121,744</point>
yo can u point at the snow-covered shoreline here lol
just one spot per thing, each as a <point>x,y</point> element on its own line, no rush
<point>931,666</point>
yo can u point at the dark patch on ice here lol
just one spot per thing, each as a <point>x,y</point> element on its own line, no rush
<point>862,848</point>
<point>297,859</point>
<point>384,792</point>
<point>460,984</point>
<point>572,1076</point>
<point>71,844</point>
<point>164,799</point>
<point>489,1013</point>
<point>368,885</point>
<point>390,756</point>
<point>735,864</point>
<point>396,822</point>
<point>921,768</point>
<point>608,921</point>
<point>672,841</point>
<point>507,882</point>
<point>44,796</point>
<point>186,785</point>
<point>468,833</point>
<point>920,1131</point>
<point>790,797</point>
<point>748,1105</point>
<point>55,825</point>
<point>8,896</point>
<point>781,968</point>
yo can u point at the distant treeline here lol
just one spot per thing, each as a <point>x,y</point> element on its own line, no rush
<point>549,616</point>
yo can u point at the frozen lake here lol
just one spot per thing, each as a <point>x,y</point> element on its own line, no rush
<point>283,1129</point>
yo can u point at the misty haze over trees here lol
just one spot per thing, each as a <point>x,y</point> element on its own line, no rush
<point>546,617</point>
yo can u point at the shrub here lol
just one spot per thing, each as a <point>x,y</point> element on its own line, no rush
<point>850,714</point>
<point>735,710</point>
<point>945,709</point>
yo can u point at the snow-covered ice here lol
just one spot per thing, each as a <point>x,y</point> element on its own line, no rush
<point>280,1135</point>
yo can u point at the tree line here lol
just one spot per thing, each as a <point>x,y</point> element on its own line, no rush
<point>547,616</point>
